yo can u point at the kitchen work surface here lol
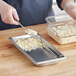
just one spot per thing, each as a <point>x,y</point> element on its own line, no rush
<point>14,63</point>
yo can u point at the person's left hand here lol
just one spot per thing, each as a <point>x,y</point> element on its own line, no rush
<point>70,8</point>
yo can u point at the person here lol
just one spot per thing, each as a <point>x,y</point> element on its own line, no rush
<point>30,12</point>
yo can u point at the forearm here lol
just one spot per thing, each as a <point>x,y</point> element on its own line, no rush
<point>70,7</point>
<point>1,2</point>
<point>64,2</point>
<point>2,5</point>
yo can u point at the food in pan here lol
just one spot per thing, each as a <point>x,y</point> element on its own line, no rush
<point>62,36</point>
<point>65,30</point>
<point>29,43</point>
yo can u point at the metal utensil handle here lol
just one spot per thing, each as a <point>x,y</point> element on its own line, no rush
<point>22,26</point>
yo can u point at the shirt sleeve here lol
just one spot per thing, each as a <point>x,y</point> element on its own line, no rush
<point>59,3</point>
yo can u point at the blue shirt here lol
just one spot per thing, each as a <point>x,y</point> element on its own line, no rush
<point>30,12</point>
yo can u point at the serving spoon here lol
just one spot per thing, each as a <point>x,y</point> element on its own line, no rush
<point>28,31</point>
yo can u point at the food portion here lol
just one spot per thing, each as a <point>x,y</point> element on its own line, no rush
<point>62,30</point>
<point>62,34</point>
<point>31,32</point>
<point>29,43</point>
<point>66,30</point>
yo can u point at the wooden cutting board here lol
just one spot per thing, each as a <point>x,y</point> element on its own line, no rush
<point>14,63</point>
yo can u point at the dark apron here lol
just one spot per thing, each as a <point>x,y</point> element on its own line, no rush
<point>31,12</point>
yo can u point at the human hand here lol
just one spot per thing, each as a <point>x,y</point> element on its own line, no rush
<point>8,13</point>
<point>70,8</point>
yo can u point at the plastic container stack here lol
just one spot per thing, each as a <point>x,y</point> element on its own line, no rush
<point>62,30</point>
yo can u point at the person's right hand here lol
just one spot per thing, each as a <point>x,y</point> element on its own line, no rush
<point>8,13</point>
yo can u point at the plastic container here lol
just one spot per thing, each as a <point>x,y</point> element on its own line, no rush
<point>61,29</point>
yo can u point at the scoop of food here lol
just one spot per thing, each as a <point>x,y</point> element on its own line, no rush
<point>31,32</point>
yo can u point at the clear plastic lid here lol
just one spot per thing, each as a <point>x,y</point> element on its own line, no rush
<point>63,25</point>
